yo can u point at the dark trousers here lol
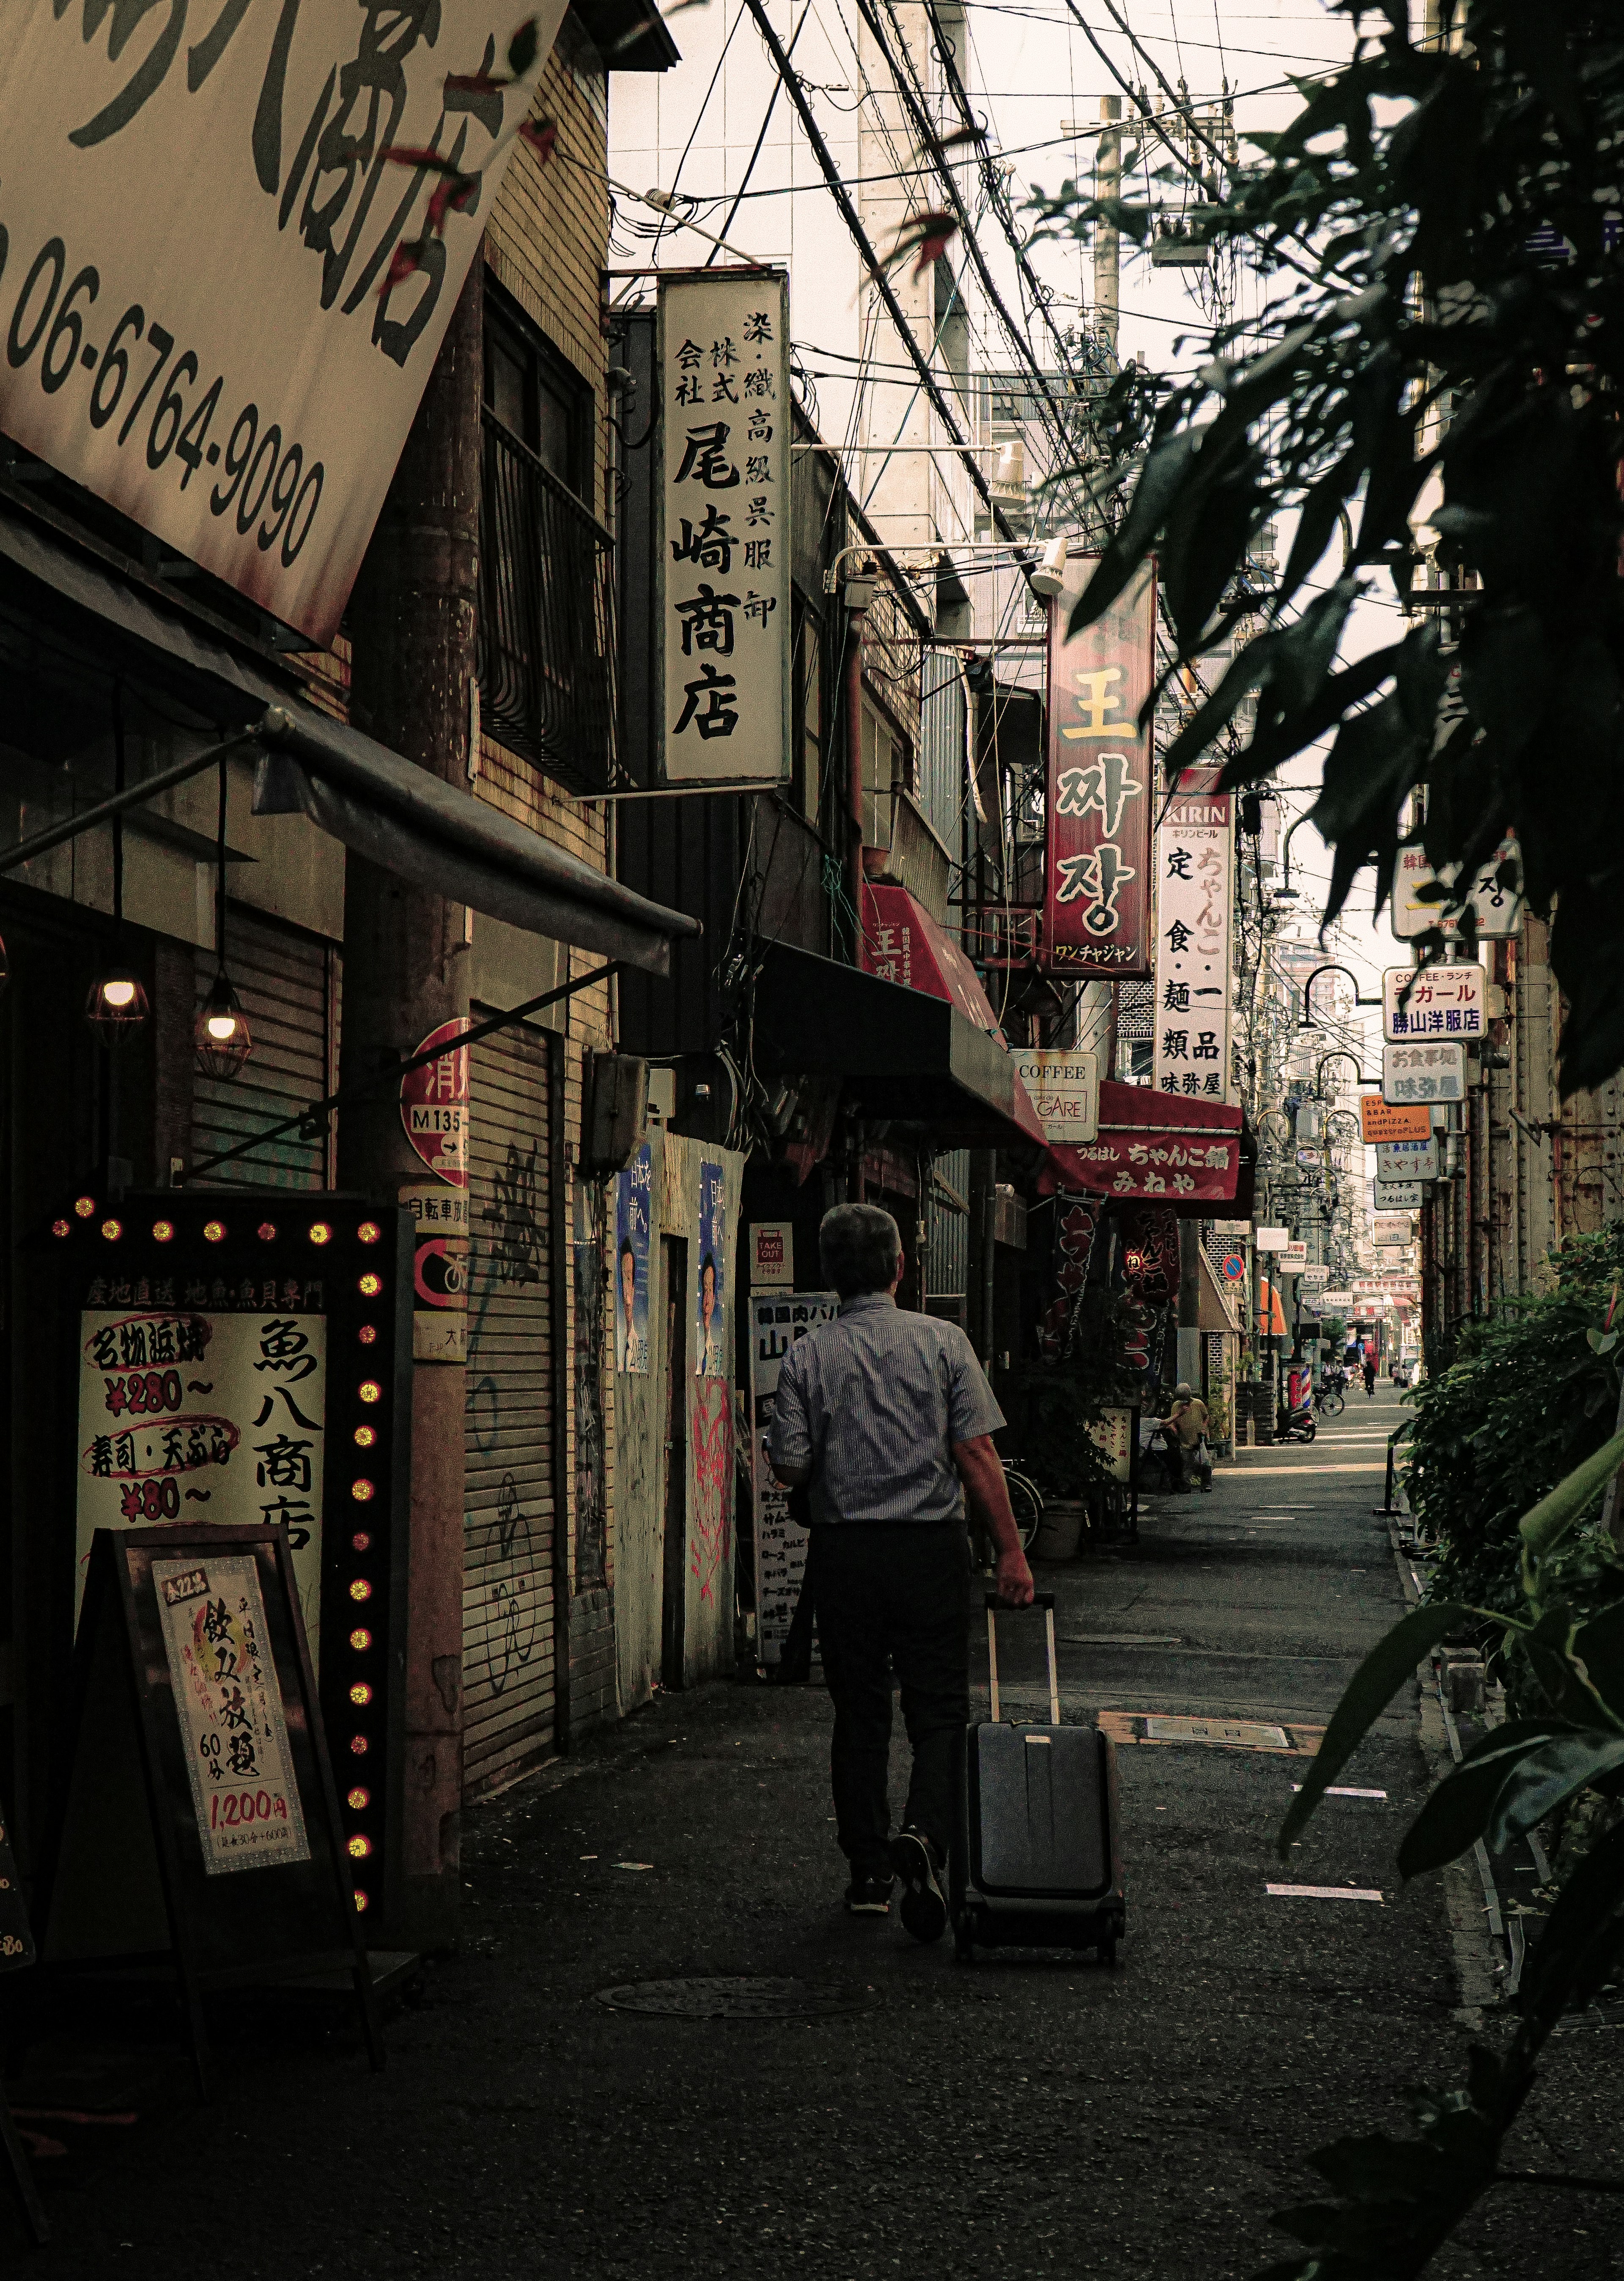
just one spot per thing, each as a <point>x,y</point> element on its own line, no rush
<point>896,1589</point>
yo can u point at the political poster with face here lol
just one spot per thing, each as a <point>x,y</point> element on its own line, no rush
<point>633,1190</point>
<point>710,1359</point>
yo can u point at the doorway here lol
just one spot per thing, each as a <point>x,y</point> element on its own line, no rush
<point>674,1601</point>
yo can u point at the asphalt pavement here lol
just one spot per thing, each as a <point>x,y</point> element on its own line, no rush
<point>1026,2114</point>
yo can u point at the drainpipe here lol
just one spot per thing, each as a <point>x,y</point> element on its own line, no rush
<point>859,594</point>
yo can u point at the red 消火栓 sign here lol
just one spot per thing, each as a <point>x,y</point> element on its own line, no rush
<point>1096,891</point>
<point>1151,1145</point>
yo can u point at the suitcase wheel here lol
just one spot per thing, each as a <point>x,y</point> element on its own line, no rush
<point>963,1942</point>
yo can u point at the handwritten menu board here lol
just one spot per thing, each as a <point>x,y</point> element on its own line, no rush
<point>775,1322</point>
<point>230,1706</point>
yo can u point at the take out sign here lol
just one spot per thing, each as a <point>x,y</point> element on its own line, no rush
<point>1388,1120</point>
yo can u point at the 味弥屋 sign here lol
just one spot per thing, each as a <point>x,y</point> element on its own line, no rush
<point>201,221</point>
<point>1436,1001</point>
<point>1434,1072</point>
<point>1195,891</point>
<point>1065,1087</point>
<point>1096,893</point>
<point>721,579</point>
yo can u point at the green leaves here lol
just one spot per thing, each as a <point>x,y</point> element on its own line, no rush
<point>1389,1664</point>
<point>1543,1529</point>
<point>1460,1810</point>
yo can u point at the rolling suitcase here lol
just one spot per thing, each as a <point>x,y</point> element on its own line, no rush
<point>1037,1857</point>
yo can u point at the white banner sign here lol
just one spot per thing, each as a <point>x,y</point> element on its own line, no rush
<point>1195,874</point>
<point>1272,1239</point>
<point>1435,1072</point>
<point>723,585</point>
<point>1292,1258</point>
<point>1313,1277</point>
<point>1443,1001</point>
<point>1499,906</point>
<point>1331,1301</point>
<point>1398,1195</point>
<point>1407,1160</point>
<point>200,223</point>
<point>1393,1227</point>
<point>1065,1091</point>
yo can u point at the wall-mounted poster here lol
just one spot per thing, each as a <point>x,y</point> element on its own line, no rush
<point>777,1320</point>
<point>710,1354</point>
<point>632,1205</point>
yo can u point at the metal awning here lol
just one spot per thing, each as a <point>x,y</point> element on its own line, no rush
<point>389,809</point>
<point>904,1057</point>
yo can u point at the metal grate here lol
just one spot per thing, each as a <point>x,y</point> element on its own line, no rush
<point>546,617</point>
<point>1135,1013</point>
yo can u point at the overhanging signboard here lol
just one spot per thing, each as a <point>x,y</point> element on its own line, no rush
<point>1096,895</point>
<point>1380,1121</point>
<point>1434,1072</point>
<point>1194,892</point>
<point>1407,1160</point>
<point>1065,1087</point>
<point>201,224</point>
<point>1398,1195</point>
<point>722,580</point>
<point>1497,905</point>
<point>1439,1001</point>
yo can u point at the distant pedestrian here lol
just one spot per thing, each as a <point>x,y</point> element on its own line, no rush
<point>1370,1376</point>
<point>889,1418</point>
<point>1183,1430</point>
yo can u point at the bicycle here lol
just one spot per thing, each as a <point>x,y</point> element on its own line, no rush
<point>1328,1401</point>
<point>1026,1503</point>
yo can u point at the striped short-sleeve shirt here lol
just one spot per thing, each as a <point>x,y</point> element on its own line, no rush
<point>873,1402</point>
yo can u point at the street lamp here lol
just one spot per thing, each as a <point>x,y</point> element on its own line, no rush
<point>1330,967</point>
<point>1286,893</point>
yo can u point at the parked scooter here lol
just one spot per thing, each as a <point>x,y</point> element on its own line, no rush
<point>1294,1425</point>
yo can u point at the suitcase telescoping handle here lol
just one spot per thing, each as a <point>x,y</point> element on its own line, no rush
<point>1045,1601</point>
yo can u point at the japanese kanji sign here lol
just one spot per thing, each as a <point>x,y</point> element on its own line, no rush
<point>1431,1073</point>
<point>1151,1146</point>
<point>228,1701</point>
<point>202,222</point>
<point>1407,1160</point>
<point>210,1416</point>
<point>434,1104</point>
<point>1195,892</point>
<point>723,578</point>
<point>1097,898</point>
<point>1439,1001</point>
<point>777,1321</point>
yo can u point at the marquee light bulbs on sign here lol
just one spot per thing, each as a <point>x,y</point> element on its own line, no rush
<point>236,1366</point>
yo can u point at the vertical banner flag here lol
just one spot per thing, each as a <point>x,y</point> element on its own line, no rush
<point>1102,768</point>
<point>722,580</point>
<point>633,1198</point>
<point>1195,891</point>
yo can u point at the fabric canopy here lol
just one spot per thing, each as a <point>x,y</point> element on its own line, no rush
<point>406,819</point>
<point>1152,1144</point>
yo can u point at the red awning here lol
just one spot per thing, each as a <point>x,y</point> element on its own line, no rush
<point>1152,1144</point>
<point>902,943</point>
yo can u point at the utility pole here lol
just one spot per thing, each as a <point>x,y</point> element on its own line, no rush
<point>413,621</point>
<point>1107,238</point>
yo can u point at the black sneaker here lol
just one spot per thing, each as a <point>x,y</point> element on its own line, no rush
<point>869,1897</point>
<point>924,1907</point>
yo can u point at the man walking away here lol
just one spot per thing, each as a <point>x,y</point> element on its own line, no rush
<point>889,1418</point>
<point>1183,1429</point>
<point>1370,1376</point>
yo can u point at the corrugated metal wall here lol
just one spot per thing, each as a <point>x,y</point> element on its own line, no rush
<point>947,1239</point>
<point>288,984</point>
<point>507,1600</point>
<point>941,744</point>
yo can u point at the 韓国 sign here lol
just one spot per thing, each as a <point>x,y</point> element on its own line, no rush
<point>202,220</point>
<point>229,1704</point>
<point>1379,1120</point>
<point>1436,1001</point>
<point>1407,1160</point>
<point>1194,872</point>
<point>1434,1072</point>
<point>1496,901</point>
<point>722,574</point>
<point>1096,897</point>
<point>1065,1090</point>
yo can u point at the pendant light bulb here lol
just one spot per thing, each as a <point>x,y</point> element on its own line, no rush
<point>116,1006</point>
<point>221,1033</point>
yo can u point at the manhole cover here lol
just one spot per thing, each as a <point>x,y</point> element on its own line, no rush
<point>735,1999</point>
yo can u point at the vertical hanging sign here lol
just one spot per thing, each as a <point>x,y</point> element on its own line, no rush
<point>434,1108</point>
<point>1194,896</point>
<point>722,590</point>
<point>1096,893</point>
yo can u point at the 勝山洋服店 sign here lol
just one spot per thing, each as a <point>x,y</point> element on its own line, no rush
<point>1380,1121</point>
<point>1398,1195</point>
<point>1496,900</point>
<point>1065,1087</point>
<point>1434,1072</point>
<point>723,569</point>
<point>1407,1160</point>
<point>1195,891</point>
<point>201,224</point>
<point>1097,896</point>
<point>210,1411</point>
<point>229,1702</point>
<point>1433,1002</point>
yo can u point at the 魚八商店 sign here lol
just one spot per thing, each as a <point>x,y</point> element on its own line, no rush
<point>1096,893</point>
<point>721,578</point>
<point>1194,890</point>
<point>201,319</point>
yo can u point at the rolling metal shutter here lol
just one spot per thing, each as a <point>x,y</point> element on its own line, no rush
<point>288,984</point>
<point>507,1600</point>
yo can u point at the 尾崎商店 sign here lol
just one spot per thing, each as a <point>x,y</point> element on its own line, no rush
<point>199,308</point>
<point>1096,893</point>
<point>1195,891</point>
<point>722,581</point>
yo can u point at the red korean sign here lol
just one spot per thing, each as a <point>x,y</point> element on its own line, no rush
<point>1096,891</point>
<point>434,1104</point>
